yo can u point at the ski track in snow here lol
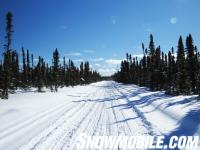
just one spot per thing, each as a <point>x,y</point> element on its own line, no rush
<point>103,108</point>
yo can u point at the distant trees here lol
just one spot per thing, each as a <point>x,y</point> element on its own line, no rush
<point>24,74</point>
<point>176,74</point>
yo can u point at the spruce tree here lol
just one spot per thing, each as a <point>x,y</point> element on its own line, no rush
<point>56,68</point>
<point>39,81</point>
<point>32,70</point>
<point>28,68</point>
<point>191,62</point>
<point>15,69</point>
<point>7,64</point>
<point>151,63</point>
<point>170,72</point>
<point>87,72</point>
<point>160,71</point>
<point>182,85</point>
<point>24,75</point>
<point>13,76</point>
<point>82,73</point>
<point>1,79</point>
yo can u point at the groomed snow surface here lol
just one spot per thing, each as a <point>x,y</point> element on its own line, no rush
<point>52,121</point>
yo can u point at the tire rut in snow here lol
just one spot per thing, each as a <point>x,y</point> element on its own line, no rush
<point>83,125</point>
<point>53,128</point>
<point>26,124</point>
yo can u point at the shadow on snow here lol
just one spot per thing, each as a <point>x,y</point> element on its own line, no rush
<point>187,126</point>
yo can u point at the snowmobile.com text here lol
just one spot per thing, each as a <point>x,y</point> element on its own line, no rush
<point>136,142</point>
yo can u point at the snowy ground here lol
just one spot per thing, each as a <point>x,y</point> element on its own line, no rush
<point>52,121</point>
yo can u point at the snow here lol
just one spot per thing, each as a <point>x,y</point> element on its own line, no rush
<point>31,120</point>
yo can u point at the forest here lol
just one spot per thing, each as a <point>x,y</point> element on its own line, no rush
<point>26,73</point>
<point>174,72</point>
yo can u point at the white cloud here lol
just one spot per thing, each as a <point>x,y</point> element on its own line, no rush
<point>98,65</point>
<point>138,55</point>
<point>113,61</point>
<point>106,71</point>
<point>89,51</point>
<point>63,27</point>
<point>96,59</point>
<point>173,20</point>
<point>61,59</point>
<point>74,54</point>
<point>35,59</point>
<point>74,60</point>
<point>114,19</point>
<point>78,60</point>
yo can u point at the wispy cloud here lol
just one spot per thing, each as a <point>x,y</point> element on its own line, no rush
<point>173,20</point>
<point>74,60</point>
<point>89,51</point>
<point>78,60</point>
<point>63,27</point>
<point>96,59</point>
<point>114,19</point>
<point>113,61</point>
<point>98,65</point>
<point>73,54</point>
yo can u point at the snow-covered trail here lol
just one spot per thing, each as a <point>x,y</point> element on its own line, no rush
<point>53,121</point>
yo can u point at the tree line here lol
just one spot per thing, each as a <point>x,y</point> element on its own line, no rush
<point>175,72</point>
<point>15,74</point>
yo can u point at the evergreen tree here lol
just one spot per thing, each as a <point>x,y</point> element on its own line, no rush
<point>28,68</point>
<point>151,63</point>
<point>9,31</point>
<point>191,62</point>
<point>157,70</point>
<point>39,81</point>
<point>32,70</point>
<point>24,75</point>
<point>171,72</point>
<point>15,69</point>
<point>160,71</point>
<point>82,73</point>
<point>56,68</point>
<point>1,79</point>
<point>13,76</point>
<point>182,84</point>
<point>87,72</point>
<point>7,64</point>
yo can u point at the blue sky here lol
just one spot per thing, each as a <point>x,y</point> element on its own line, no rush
<point>100,31</point>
